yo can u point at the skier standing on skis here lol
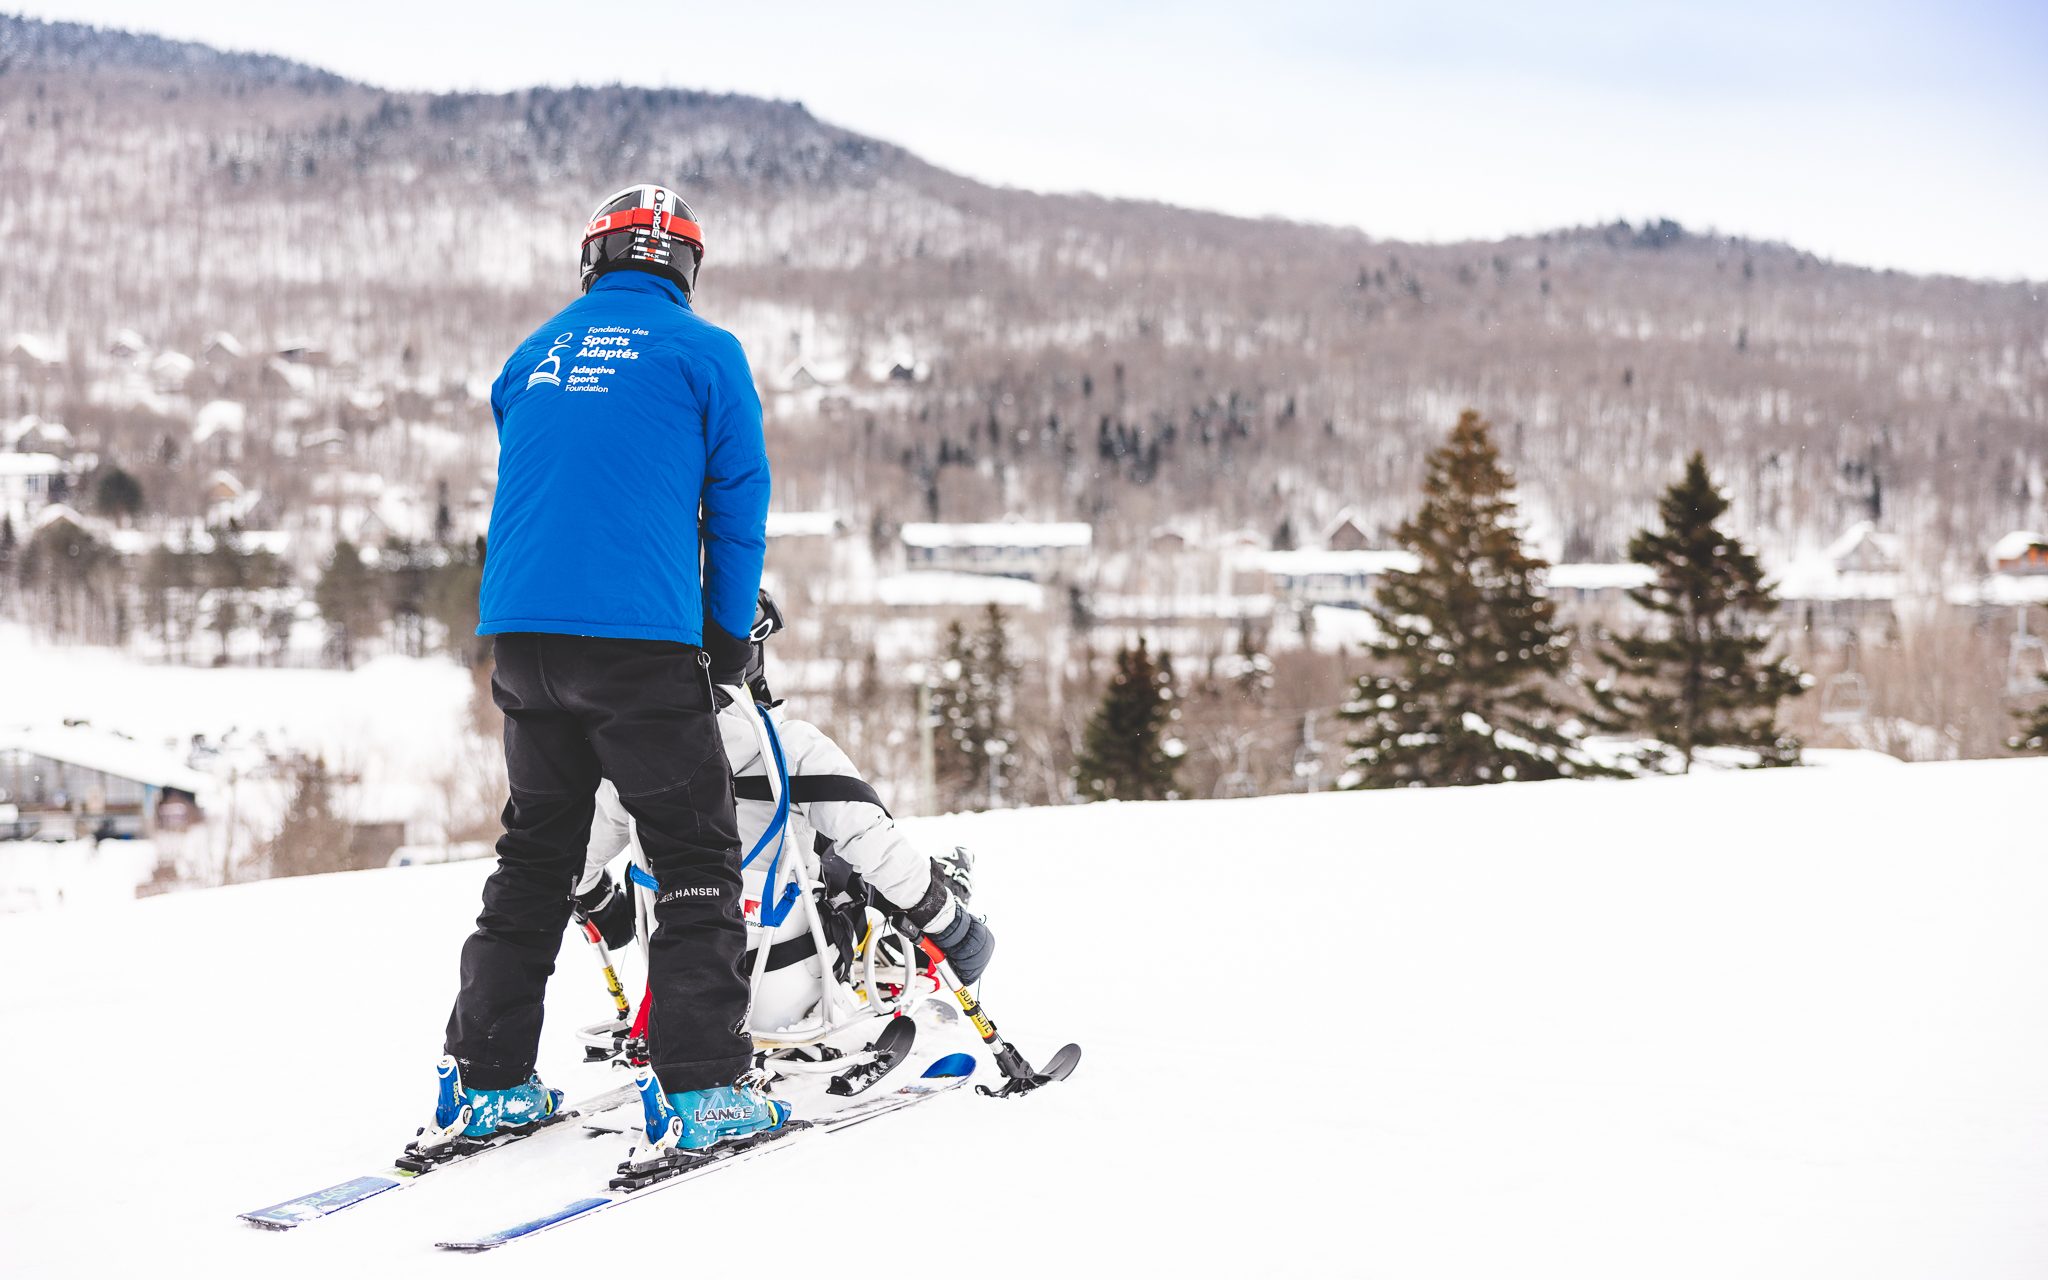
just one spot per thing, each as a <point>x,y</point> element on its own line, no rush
<point>828,799</point>
<point>627,427</point>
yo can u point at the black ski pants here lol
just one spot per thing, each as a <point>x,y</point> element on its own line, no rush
<point>640,712</point>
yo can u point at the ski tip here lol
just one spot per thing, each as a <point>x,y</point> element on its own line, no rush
<point>294,1213</point>
<point>950,1066</point>
<point>1063,1062</point>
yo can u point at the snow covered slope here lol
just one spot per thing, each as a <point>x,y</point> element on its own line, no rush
<point>1777,1025</point>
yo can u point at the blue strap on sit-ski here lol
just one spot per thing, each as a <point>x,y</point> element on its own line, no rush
<point>637,874</point>
<point>774,912</point>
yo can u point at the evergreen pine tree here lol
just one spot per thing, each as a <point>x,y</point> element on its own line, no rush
<point>347,599</point>
<point>314,839</point>
<point>118,494</point>
<point>975,705</point>
<point>227,575</point>
<point>1122,755</point>
<point>1468,665</point>
<point>1698,675</point>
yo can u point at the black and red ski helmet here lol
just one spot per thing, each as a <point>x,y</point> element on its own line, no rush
<point>646,228</point>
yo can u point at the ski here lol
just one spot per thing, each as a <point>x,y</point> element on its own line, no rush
<point>889,1050</point>
<point>415,1164</point>
<point>634,1183</point>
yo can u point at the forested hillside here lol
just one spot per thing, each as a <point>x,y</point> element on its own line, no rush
<point>1111,361</point>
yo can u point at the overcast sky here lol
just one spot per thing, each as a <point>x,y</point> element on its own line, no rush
<point>1901,135</point>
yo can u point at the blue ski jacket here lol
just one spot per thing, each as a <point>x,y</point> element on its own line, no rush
<point>618,420</point>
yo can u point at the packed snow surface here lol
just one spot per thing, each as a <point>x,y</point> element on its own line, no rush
<point>1788,1024</point>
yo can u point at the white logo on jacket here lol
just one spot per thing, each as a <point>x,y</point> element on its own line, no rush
<point>550,369</point>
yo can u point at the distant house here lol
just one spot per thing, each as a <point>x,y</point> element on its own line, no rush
<point>283,377</point>
<point>1596,586</point>
<point>30,434</point>
<point>2022,552</point>
<point>126,344</point>
<point>1010,548</point>
<point>899,366</point>
<point>330,441</point>
<point>2018,577</point>
<point>76,782</point>
<point>804,524</point>
<point>298,351</point>
<point>1306,578</point>
<point>222,351</point>
<point>1862,549</point>
<point>229,500</point>
<point>31,356</point>
<point>28,483</point>
<point>218,427</point>
<point>811,375</point>
<point>170,371</point>
<point>1345,533</point>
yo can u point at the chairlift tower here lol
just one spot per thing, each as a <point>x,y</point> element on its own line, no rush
<point>2026,660</point>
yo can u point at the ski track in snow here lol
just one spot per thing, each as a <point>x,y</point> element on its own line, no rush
<point>1791,1024</point>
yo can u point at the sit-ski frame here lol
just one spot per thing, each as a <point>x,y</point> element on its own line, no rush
<point>835,1011</point>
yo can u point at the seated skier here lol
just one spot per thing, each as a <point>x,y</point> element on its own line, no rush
<point>863,850</point>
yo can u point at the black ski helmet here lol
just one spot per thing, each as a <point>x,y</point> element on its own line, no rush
<point>767,621</point>
<point>646,228</point>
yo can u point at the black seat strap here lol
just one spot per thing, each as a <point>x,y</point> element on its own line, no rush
<point>811,788</point>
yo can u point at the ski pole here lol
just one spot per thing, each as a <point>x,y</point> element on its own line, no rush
<point>1020,1075</point>
<point>611,975</point>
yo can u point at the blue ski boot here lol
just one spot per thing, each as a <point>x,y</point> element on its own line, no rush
<point>701,1118</point>
<point>479,1113</point>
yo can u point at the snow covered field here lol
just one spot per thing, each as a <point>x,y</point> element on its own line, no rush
<point>1763,1025</point>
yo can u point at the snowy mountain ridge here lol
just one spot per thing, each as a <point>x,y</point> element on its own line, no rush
<point>1066,356</point>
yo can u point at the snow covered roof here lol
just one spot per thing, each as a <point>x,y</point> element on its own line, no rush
<point>2015,545</point>
<point>133,542</point>
<point>30,464</point>
<point>1006,533</point>
<point>1600,577</point>
<point>802,524</point>
<point>296,378</point>
<point>1806,581</point>
<point>58,512</point>
<point>1345,518</point>
<point>35,350</point>
<point>820,372</point>
<point>216,416</point>
<point>31,425</point>
<point>349,484</point>
<point>1169,607</point>
<point>225,343</point>
<point>126,342</point>
<point>933,590</point>
<point>1316,563</point>
<point>1863,534</point>
<point>110,753</point>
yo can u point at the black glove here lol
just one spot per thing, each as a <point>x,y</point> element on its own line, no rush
<point>728,653</point>
<point>607,908</point>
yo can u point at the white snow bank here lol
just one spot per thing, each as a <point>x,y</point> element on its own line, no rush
<point>1768,1025</point>
<point>392,718</point>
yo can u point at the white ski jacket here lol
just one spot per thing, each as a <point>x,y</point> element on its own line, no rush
<point>860,832</point>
